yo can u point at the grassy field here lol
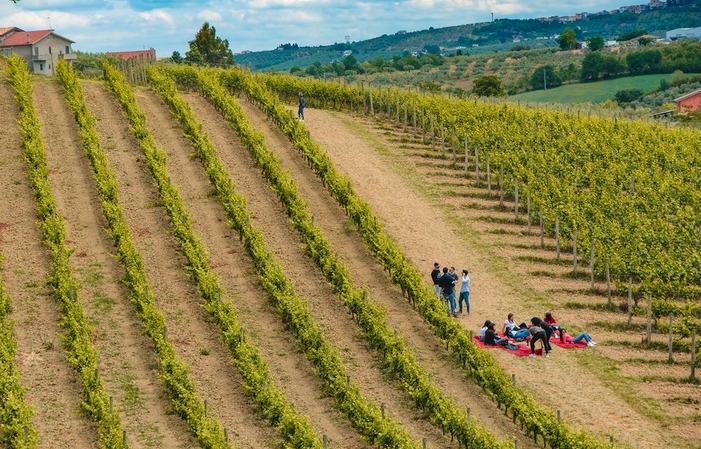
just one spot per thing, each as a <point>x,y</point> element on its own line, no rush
<point>596,92</point>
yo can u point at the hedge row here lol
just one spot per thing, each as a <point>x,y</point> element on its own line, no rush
<point>78,332</point>
<point>366,417</point>
<point>481,365</point>
<point>185,401</point>
<point>295,430</point>
<point>370,316</point>
<point>16,428</point>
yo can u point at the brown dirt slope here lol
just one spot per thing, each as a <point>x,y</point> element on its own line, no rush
<point>196,339</point>
<point>366,272</point>
<point>427,233</point>
<point>52,385</point>
<point>289,368</point>
<point>642,377</point>
<point>126,360</point>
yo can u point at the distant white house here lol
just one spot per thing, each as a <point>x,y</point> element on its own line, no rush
<point>41,49</point>
<point>347,52</point>
<point>684,33</point>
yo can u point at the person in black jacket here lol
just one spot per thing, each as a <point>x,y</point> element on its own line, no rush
<point>537,333</point>
<point>447,283</point>
<point>435,274</point>
<point>549,331</point>
<point>301,104</point>
<point>491,337</point>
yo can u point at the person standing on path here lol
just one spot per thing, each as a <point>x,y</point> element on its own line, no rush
<point>300,109</point>
<point>464,292</point>
<point>435,274</point>
<point>447,284</point>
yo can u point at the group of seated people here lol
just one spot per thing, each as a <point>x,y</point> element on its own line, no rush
<point>539,330</point>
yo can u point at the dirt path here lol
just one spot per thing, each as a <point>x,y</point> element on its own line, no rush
<point>52,384</point>
<point>426,233</point>
<point>290,370</point>
<point>197,341</point>
<point>123,353</point>
<point>127,355</point>
<point>367,272</point>
<point>53,390</point>
<point>641,376</point>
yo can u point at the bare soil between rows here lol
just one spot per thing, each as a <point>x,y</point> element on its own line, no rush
<point>404,191</point>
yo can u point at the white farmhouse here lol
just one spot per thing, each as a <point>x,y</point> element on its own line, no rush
<point>41,49</point>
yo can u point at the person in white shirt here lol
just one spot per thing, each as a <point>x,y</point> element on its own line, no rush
<point>465,292</point>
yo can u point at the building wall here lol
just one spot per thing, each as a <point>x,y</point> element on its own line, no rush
<point>682,33</point>
<point>690,104</point>
<point>47,52</point>
<point>43,56</point>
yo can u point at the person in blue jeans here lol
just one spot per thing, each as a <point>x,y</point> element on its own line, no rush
<point>447,284</point>
<point>464,292</point>
<point>586,337</point>
<point>511,329</point>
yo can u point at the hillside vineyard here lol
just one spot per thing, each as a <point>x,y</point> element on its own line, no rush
<point>205,328</point>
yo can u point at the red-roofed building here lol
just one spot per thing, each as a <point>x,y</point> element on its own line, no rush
<point>142,55</point>
<point>8,30</point>
<point>41,49</point>
<point>689,102</point>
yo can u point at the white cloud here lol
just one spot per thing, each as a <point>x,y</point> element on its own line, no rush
<point>45,19</point>
<point>209,16</point>
<point>157,15</point>
<point>268,4</point>
<point>168,25</point>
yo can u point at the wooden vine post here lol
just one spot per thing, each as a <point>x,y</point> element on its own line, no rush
<point>608,284</point>
<point>414,118</point>
<point>453,148</point>
<point>542,228</point>
<point>489,178</point>
<point>406,114</point>
<point>692,376</point>
<point>433,134</point>
<point>648,333</point>
<point>467,158</point>
<point>574,249</point>
<point>501,186</point>
<point>515,199</point>
<point>557,236</point>
<point>670,359</point>
<point>442,137</point>
<point>630,300</point>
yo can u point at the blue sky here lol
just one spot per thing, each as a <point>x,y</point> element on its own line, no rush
<point>112,25</point>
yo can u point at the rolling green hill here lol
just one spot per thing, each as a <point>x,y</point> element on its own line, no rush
<point>486,37</point>
<point>595,92</point>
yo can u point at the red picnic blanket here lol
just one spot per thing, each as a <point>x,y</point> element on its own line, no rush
<point>568,341</point>
<point>520,349</point>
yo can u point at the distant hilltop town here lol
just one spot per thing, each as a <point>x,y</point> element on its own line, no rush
<point>635,9</point>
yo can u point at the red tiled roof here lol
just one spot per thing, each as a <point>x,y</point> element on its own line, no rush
<point>151,53</point>
<point>690,94</point>
<point>21,38</point>
<point>6,30</point>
